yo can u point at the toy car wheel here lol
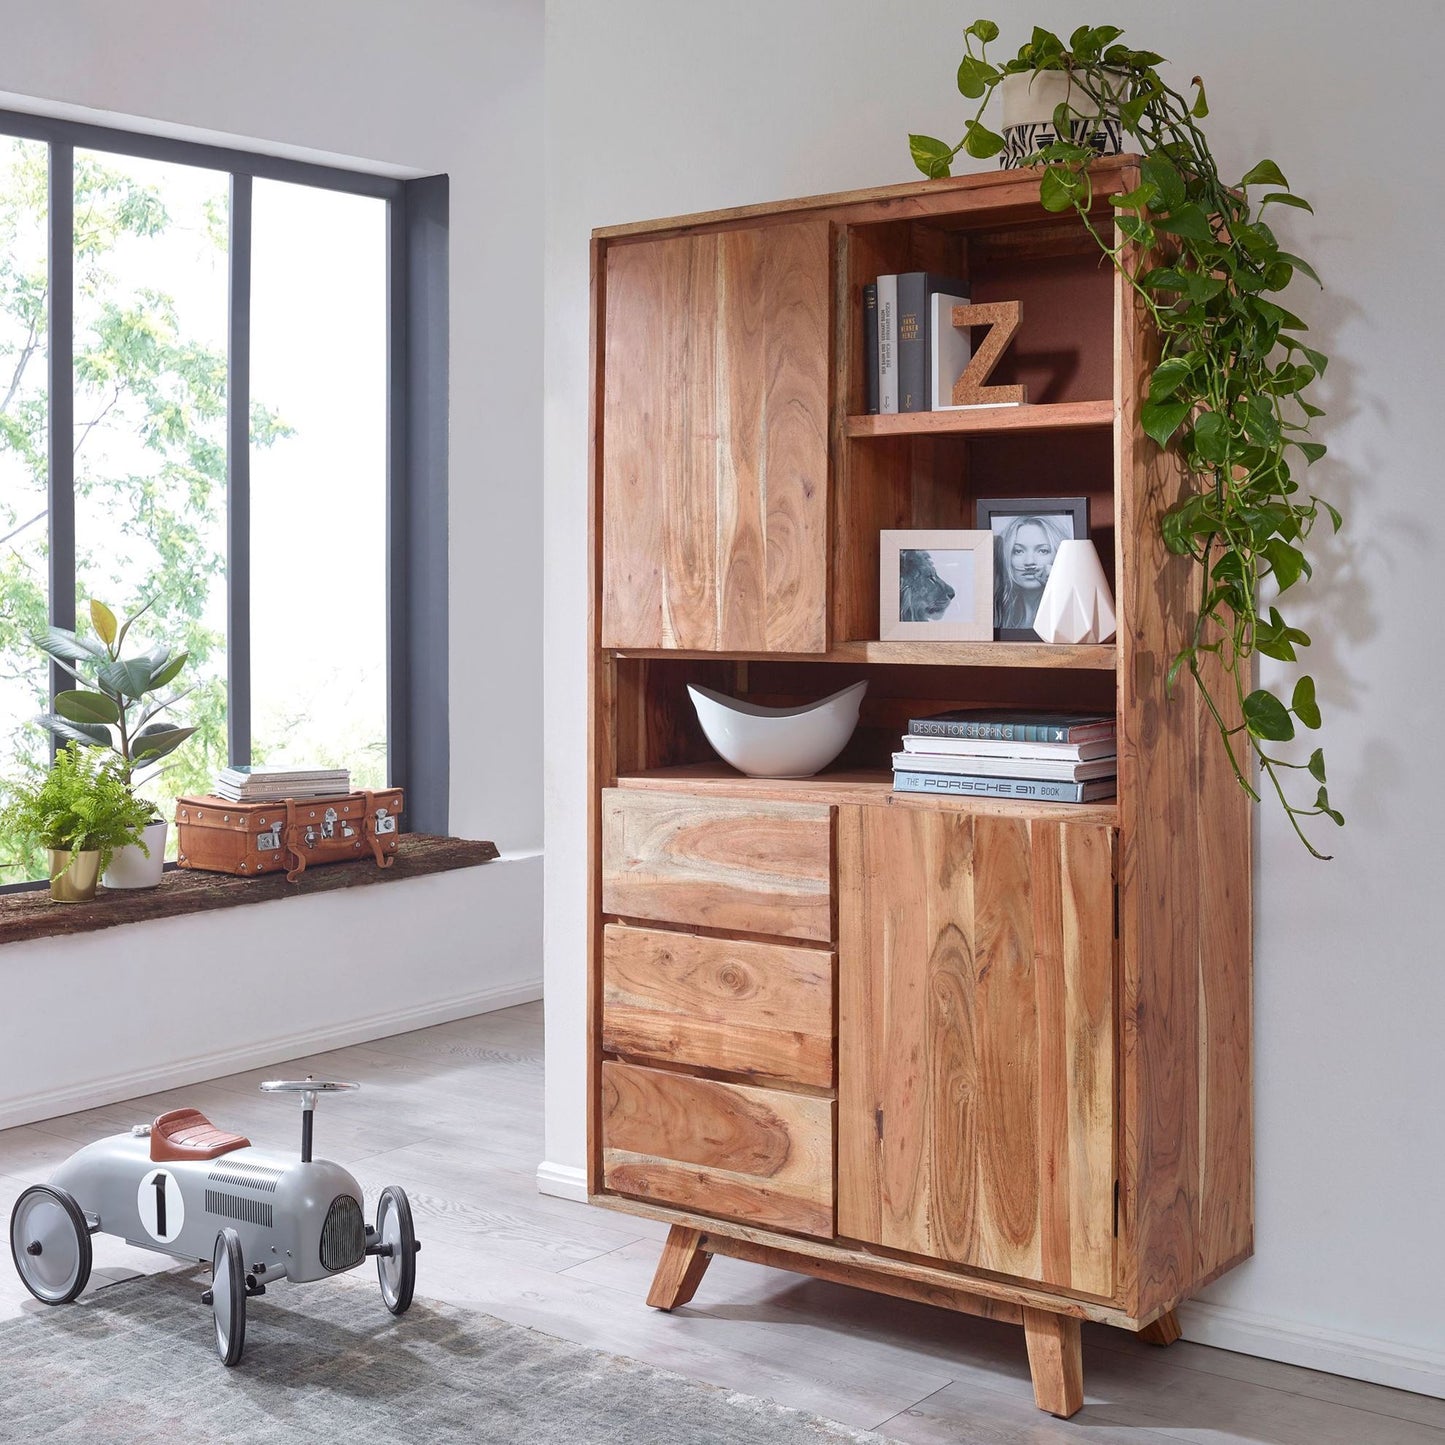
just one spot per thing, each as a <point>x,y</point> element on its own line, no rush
<point>50,1243</point>
<point>396,1267</point>
<point>228,1296</point>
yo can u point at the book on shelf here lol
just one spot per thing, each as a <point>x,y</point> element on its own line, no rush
<point>1034,790</point>
<point>887,344</point>
<point>1054,769</point>
<point>870,348</point>
<point>1083,752</point>
<point>1014,725</point>
<point>914,331</point>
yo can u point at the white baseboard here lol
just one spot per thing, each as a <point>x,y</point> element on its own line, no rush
<point>563,1180</point>
<point>1382,1362</point>
<point>95,1093</point>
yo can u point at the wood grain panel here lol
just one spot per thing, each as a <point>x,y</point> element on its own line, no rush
<point>976,1042</point>
<point>1187,1180</point>
<point>757,867</point>
<point>756,1155</point>
<point>714,441</point>
<point>727,1004</point>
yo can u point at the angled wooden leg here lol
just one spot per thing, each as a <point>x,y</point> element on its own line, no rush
<point>680,1270</point>
<point>1164,1331</point>
<point>1056,1361</point>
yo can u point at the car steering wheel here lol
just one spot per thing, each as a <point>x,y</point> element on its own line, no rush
<point>309,1089</point>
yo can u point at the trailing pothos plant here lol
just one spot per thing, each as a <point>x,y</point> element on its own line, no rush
<point>1229,390</point>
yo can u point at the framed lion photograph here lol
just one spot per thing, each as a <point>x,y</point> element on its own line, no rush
<point>935,586</point>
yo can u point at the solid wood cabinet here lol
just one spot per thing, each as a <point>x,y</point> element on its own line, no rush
<point>715,441</point>
<point>990,1055</point>
<point>976,1042</point>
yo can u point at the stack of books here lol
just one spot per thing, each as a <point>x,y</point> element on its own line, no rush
<point>1038,756</point>
<point>913,353</point>
<point>273,785</point>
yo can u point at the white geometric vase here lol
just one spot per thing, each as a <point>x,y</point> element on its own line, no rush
<point>1077,605</point>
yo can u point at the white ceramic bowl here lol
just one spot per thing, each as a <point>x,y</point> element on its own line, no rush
<point>778,742</point>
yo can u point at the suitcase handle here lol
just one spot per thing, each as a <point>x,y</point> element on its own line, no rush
<point>291,839</point>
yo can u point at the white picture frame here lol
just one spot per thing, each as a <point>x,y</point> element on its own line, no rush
<point>935,586</point>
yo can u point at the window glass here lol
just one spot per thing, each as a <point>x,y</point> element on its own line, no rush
<point>318,502</point>
<point>151,289</point>
<point>24,454</point>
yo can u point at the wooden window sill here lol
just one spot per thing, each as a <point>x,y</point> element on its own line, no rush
<point>186,890</point>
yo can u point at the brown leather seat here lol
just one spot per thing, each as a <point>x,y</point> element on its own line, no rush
<point>187,1134</point>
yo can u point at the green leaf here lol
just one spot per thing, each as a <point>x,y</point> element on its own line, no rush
<point>1284,198</point>
<point>1266,173</point>
<point>1200,108</point>
<point>1138,199</point>
<point>1211,436</point>
<point>61,643</point>
<point>1287,563</point>
<point>1300,264</point>
<point>980,142</point>
<point>1165,379</point>
<point>103,620</point>
<point>1188,221</point>
<point>1317,765</point>
<point>1055,194</point>
<point>130,678</point>
<point>974,76</point>
<point>92,735</point>
<point>1162,175</point>
<point>985,30</point>
<point>1260,423</point>
<point>931,156</point>
<point>1161,419</point>
<point>151,744</point>
<point>1136,229</point>
<point>1322,802</point>
<point>168,672</point>
<point>1267,717</point>
<point>1335,517</point>
<point>87,707</point>
<point>1303,705</point>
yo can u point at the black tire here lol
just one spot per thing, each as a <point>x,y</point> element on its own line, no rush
<point>45,1209</point>
<point>396,1273</point>
<point>228,1296</point>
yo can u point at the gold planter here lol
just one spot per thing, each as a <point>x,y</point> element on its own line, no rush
<point>74,883</point>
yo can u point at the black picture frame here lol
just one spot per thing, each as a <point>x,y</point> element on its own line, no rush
<point>990,512</point>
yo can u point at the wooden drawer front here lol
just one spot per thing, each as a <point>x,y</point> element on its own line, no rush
<point>718,863</point>
<point>714,1003</point>
<point>755,1155</point>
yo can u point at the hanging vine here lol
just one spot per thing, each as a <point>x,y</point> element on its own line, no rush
<point>1229,390</point>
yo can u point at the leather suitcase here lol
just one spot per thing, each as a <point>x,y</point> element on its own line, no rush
<point>253,838</point>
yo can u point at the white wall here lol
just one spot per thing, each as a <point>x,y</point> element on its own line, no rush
<point>414,88</point>
<point>655,108</point>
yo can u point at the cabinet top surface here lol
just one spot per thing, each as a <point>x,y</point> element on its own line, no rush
<point>975,187</point>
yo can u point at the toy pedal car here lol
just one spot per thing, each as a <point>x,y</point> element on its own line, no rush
<point>183,1187</point>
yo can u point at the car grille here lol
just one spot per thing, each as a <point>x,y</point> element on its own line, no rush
<point>343,1236</point>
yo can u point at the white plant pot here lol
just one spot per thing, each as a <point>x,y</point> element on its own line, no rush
<point>130,868</point>
<point>1076,605</point>
<point>778,742</point>
<point>1029,100</point>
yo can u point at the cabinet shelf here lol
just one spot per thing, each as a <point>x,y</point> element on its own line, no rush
<point>850,786</point>
<point>1089,657</point>
<point>1054,416</point>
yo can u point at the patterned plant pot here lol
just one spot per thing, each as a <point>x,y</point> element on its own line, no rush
<point>1029,100</point>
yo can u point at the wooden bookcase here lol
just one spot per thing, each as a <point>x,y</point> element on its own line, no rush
<point>990,1055</point>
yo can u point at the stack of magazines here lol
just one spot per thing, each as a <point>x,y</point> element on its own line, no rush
<point>273,785</point>
<point>1038,756</point>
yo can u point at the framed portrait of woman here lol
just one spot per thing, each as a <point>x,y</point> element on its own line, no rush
<point>1026,535</point>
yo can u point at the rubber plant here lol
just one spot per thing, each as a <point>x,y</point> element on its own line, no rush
<point>1230,388</point>
<point>115,706</point>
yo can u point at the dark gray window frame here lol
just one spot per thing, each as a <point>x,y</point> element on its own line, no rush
<point>417,424</point>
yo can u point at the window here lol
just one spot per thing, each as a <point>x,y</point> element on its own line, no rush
<point>219,399</point>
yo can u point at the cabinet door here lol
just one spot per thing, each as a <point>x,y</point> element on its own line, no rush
<point>976,1041</point>
<point>715,440</point>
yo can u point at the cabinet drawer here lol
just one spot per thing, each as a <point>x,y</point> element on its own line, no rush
<point>758,867</point>
<point>760,1156</point>
<point>716,1003</point>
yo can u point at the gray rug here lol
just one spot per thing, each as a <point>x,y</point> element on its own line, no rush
<point>134,1363</point>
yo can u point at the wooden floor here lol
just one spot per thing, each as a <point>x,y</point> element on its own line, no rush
<point>454,1115</point>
